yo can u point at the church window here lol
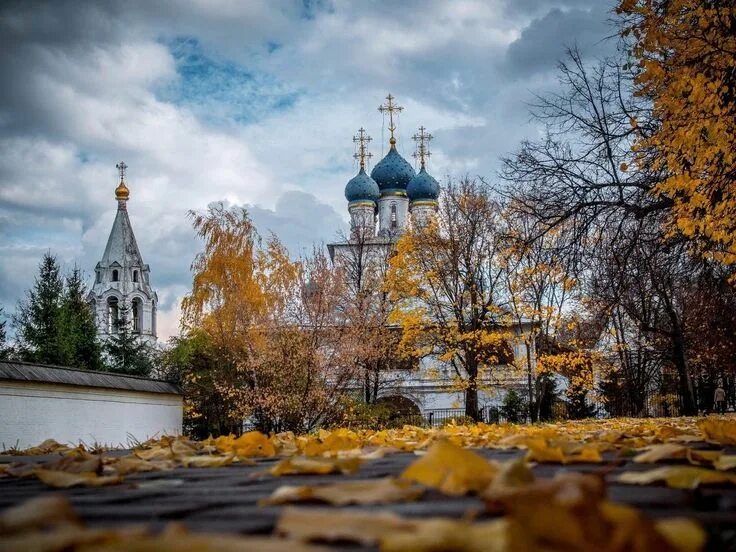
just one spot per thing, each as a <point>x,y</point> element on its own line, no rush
<point>135,275</point>
<point>153,319</point>
<point>112,315</point>
<point>137,315</point>
<point>98,277</point>
<point>114,275</point>
<point>394,219</point>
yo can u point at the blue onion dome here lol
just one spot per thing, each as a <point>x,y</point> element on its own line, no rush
<point>362,188</point>
<point>393,172</point>
<point>423,187</point>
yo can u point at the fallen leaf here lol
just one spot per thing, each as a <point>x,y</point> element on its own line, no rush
<point>37,513</point>
<point>684,535</point>
<point>719,430</point>
<point>433,535</point>
<point>451,469</point>
<point>655,453</point>
<point>132,464</point>
<point>64,480</point>
<point>250,444</point>
<point>677,477</point>
<point>371,491</point>
<point>315,465</point>
<point>205,461</point>
<point>725,462</point>
<point>331,525</point>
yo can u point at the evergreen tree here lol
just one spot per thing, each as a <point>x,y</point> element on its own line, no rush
<point>38,316</point>
<point>4,349</point>
<point>126,353</point>
<point>78,333</point>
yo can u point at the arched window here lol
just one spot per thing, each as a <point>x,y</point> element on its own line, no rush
<point>153,319</point>
<point>98,277</point>
<point>137,315</point>
<point>135,275</point>
<point>114,275</point>
<point>394,217</point>
<point>112,315</point>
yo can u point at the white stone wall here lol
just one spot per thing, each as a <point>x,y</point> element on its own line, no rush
<point>31,412</point>
<point>384,213</point>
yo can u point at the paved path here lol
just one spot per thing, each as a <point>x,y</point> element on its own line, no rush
<point>224,499</point>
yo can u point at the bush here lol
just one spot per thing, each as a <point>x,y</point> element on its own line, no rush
<point>514,407</point>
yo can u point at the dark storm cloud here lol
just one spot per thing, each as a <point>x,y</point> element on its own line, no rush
<point>543,43</point>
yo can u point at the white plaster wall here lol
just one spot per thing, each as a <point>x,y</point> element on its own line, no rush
<point>384,213</point>
<point>33,412</point>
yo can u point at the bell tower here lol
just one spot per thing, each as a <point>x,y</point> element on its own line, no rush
<point>122,292</point>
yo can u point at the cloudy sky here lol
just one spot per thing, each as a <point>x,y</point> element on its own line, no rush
<point>252,102</point>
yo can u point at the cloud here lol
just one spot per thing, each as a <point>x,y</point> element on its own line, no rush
<point>254,103</point>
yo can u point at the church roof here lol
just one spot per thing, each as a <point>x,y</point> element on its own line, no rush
<point>393,172</point>
<point>362,188</point>
<point>423,187</point>
<point>121,245</point>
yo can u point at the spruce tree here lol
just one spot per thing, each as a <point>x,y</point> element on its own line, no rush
<point>78,333</point>
<point>126,353</point>
<point>4,349</point>
<point>38,316</point>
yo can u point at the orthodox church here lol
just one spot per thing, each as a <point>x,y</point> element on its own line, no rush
<point>381,207</point>
<point>122,292</point>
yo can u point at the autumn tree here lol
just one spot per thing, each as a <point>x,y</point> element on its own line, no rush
<point>686,53</point>
<point>269,326</point>
<point>446,279</point>
<point>365,308</point>
<point>539,286</point>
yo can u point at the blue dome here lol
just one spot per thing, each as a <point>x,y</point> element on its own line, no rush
<point>393,172</point>
<point>423,187</point>
<point>362,188</point>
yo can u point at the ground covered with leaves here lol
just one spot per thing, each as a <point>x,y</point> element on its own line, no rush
<point>613,485</point>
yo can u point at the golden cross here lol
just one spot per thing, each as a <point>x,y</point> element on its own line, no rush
<point>391,108</point>
<point>121,170</point>
<point>422,139</point>
<point>362,140</point>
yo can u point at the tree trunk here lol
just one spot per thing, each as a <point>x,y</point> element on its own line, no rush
<point>471,393</point>
<point>533,405</point>
<point>685,383</point>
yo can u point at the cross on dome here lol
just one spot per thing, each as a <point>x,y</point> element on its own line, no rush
<point>390,108</point>
<point>362,140</point>
<point>422,139</point>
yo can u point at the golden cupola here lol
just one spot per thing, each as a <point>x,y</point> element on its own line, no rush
<point>122,192</point>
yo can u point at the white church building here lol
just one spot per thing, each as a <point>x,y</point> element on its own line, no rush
<point>122,292</point>
<point>381,206</point>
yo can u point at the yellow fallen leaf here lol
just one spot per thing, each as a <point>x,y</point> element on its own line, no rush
<point>451,469</point>
<point>433,535</point>
<point>540,451</point>
<point>315,465</point>
<point>371,491</point>
<point>725,462</point>
<point>314,524</point>
<point>154,453</point>
<point>655,453</point>
<point>204,542</point>
<point>250,444</point>
<point>684,535</point>
<point>678,477</point>
<point>132,464</point>
<point>37,513</point>
<point>698,457</point>
<point>64,480</point>
<point>206,461</point>
<point>719,430</point>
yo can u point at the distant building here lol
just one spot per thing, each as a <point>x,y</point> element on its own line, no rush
<point>122,292</point>
<point>381,207</point>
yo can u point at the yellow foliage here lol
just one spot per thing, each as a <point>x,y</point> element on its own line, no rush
<point>687,53</point>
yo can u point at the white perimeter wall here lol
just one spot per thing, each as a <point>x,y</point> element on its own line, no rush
<point>31,412</point>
